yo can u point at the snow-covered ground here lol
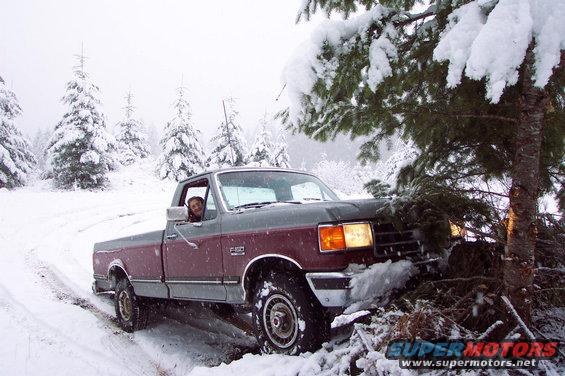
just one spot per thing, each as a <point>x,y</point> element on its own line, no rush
<point>52,323</point>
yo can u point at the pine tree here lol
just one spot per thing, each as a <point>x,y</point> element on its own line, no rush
<point>281,158</point>
<point>153,140</point>
<point>16,159</point>
<point>229,144</point>
<point>480,98</point>
<point>183,155</point>
<point>81,149</point>
<point>131,138</point>
<point>261,152</point>
<point>39,145</point>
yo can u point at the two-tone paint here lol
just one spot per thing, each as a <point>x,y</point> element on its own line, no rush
<point>213,259</point>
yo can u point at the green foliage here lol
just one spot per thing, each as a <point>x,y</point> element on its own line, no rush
<point>377,188</point>
<point>347,7</point>
<point>464,139</point>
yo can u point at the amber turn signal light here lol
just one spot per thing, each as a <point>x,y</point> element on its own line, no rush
<point>332,238</point>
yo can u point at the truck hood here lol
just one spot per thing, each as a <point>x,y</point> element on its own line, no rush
<point>304,214</point>
<point>346,210</point>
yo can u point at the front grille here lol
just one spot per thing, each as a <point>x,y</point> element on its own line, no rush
<point>391,242</point>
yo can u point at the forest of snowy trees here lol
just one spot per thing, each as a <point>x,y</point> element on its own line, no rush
<point>81,149</point>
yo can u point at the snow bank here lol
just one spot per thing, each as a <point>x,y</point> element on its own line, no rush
<point>377,282</point>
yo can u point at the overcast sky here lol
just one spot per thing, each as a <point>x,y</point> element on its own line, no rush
<point>221,48</point>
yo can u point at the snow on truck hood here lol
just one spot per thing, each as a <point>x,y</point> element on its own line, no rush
<point>342,210</point>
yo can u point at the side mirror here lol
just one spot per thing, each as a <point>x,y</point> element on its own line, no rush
<point>177,213</point>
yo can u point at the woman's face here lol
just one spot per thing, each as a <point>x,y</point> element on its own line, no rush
<point>196,207</point>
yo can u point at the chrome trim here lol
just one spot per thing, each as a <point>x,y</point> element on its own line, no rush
<point>145,280</point>
<point>342,224</point>
<point>100,276</point>
<point>333,297</point>
<point>120,264</point>
<point>200,282</point>
<point>261,257</point>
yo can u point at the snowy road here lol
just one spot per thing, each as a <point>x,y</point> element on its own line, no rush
<point>50,321</point>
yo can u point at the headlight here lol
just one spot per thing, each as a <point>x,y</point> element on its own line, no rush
<point>346,236</point>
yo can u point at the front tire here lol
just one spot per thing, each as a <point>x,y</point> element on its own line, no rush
<point>287,318</point>
<point>130,310</point>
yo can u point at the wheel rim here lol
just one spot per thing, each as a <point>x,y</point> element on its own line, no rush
<point>280,321</point>
<point>124,305</point>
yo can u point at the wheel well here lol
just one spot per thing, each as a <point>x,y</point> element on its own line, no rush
<point>262,267</point>
<point>116,274</point>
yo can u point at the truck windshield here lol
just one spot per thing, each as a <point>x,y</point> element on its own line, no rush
<point>257,188</point>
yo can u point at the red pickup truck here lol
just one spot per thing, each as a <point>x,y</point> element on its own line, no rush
<point>278,242</point>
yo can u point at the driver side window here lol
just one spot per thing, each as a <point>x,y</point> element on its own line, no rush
<point>200,202</point>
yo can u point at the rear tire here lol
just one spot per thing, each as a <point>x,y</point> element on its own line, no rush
<point>131,312</point>
<point>287,318</point>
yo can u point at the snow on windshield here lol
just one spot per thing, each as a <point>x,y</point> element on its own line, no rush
<point>242,188</point>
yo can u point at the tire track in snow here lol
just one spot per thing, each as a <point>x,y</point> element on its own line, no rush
<point>63,292</point>
<point>80,223</point>
<point>43,331</point>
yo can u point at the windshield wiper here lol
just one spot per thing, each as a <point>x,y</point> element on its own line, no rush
<point>263,203</point>
<point>254,205</point>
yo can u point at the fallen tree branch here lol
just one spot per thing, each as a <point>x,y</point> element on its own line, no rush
<point>490,329</point>
<point>546,269</point>
<point>468,279</point>
<point>363,338</point>
<point>518,319</point>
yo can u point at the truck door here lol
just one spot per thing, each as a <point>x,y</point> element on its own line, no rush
<point>192,251</point>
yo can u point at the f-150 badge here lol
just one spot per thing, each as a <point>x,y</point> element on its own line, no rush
<point>237,251</point>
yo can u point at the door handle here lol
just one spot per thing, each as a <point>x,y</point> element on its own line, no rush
<point>172,236</point>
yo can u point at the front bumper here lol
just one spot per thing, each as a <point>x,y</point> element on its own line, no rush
<point>331,288</point>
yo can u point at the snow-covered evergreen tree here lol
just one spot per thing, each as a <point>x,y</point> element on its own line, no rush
<point>261,152</point>
<point>153,140</point>
<point>16,159</point>
<point>281,158</point>
<point>183,155</point>
<point>81,149</point>
<point>39,145</point>
<point>230,148</point>
<point>476,85</point>
<point>131,136</point>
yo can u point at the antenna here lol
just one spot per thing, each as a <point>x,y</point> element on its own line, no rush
<point>278,96</point>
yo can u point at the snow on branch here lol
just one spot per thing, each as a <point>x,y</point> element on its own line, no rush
<point>517,317</point>
<point>490,329</point>
<point>482,40</point>
<point>494,46</point>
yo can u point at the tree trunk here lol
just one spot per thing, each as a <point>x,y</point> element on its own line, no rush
<point>519,253</point>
